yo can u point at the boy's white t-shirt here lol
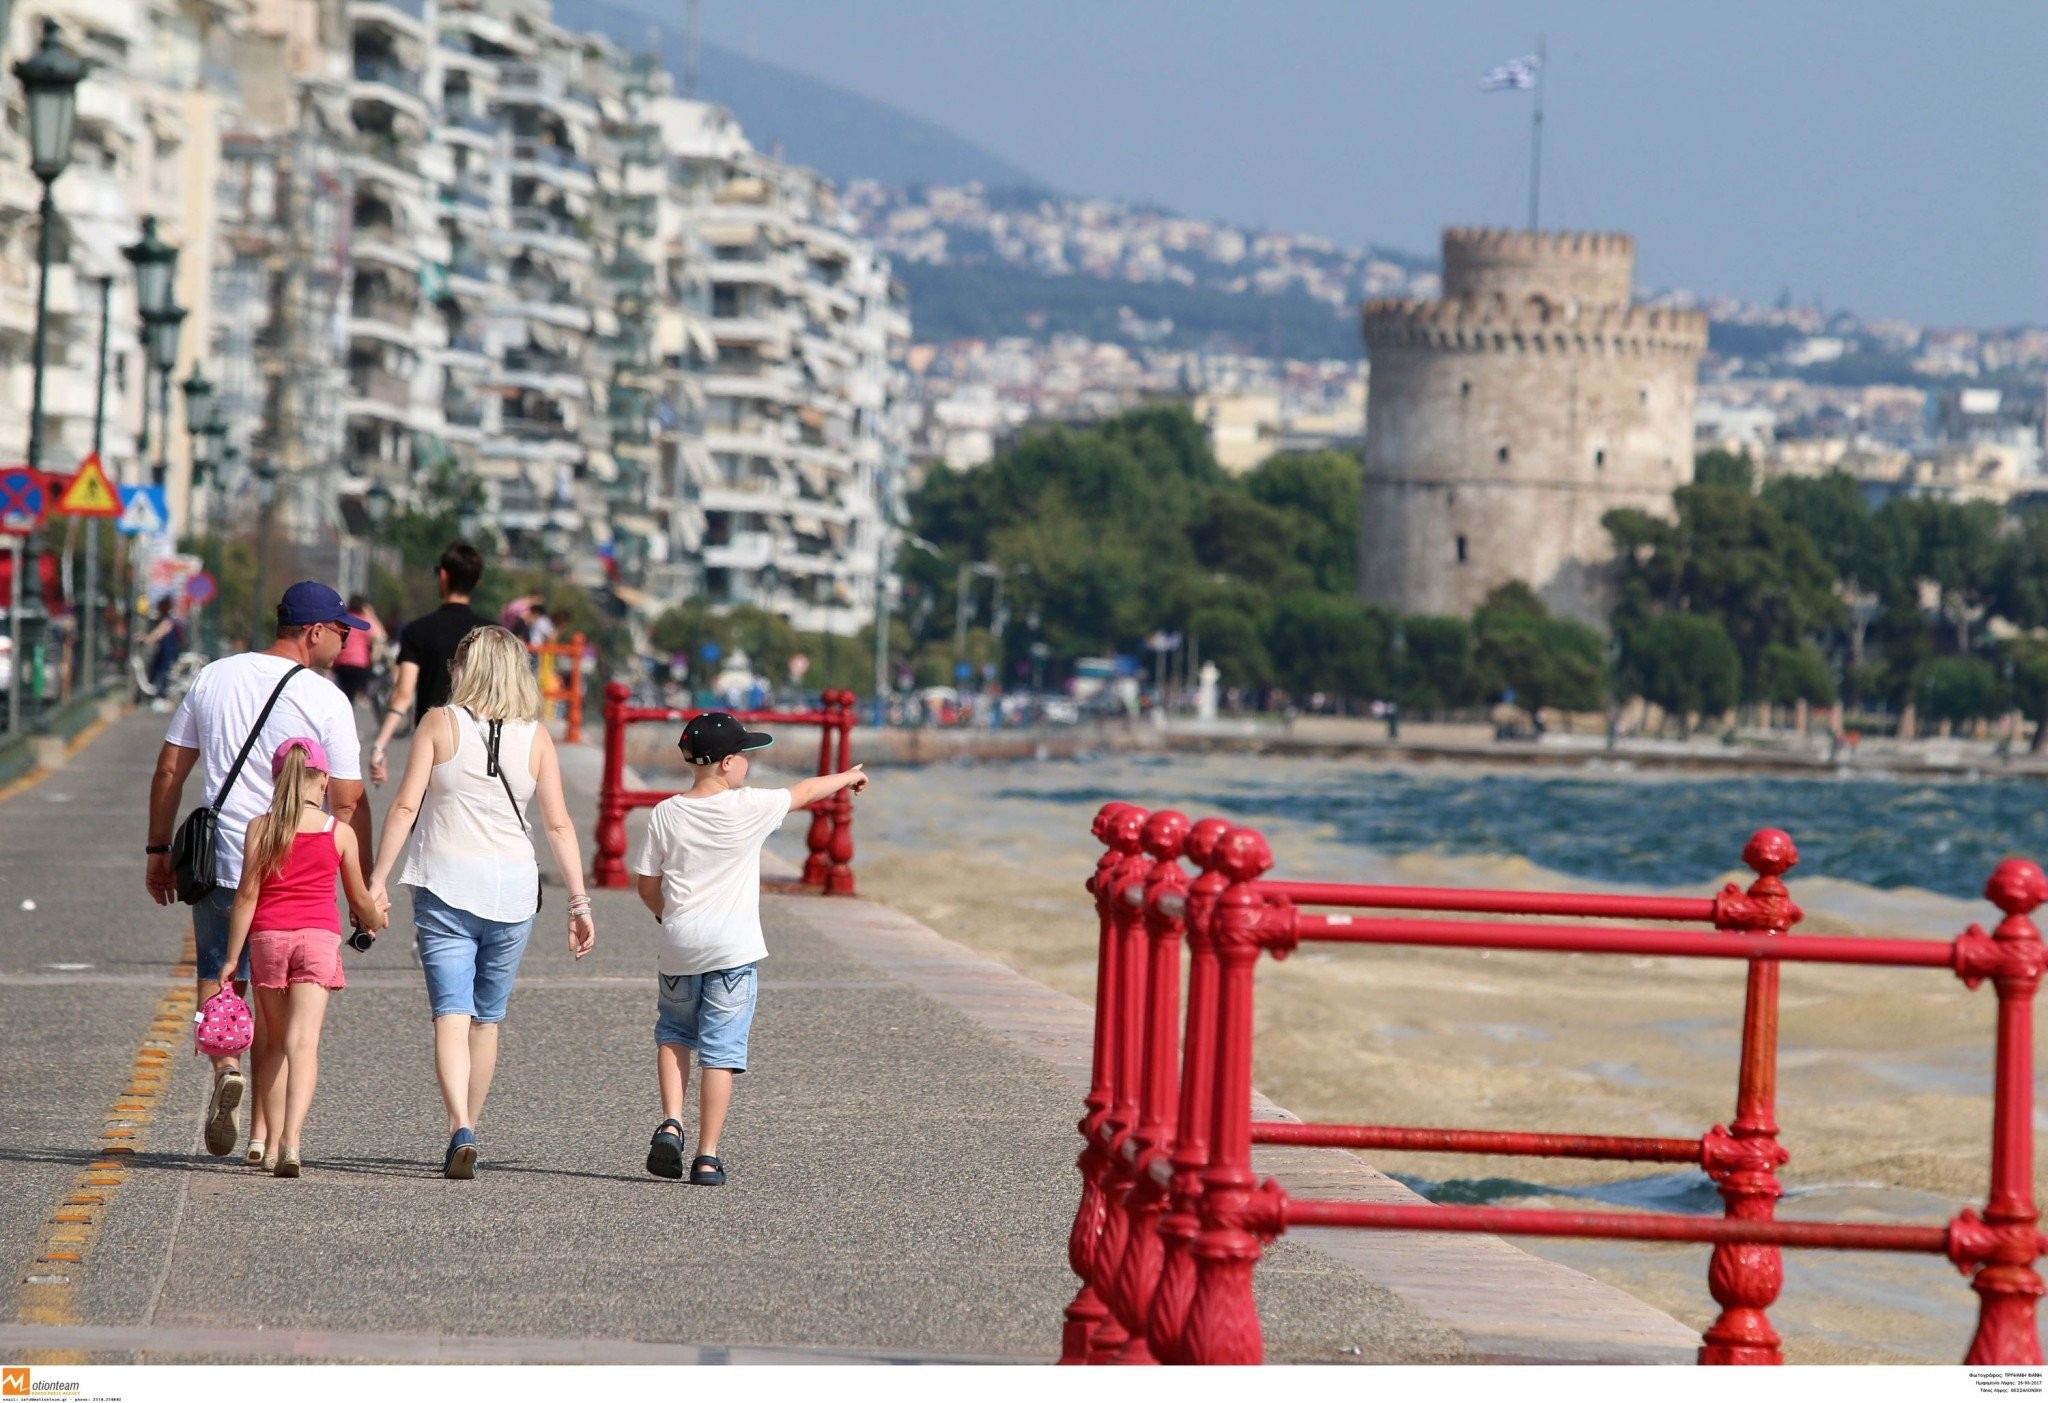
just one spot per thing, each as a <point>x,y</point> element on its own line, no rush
<point>215,717</point>
<point>707,853</point>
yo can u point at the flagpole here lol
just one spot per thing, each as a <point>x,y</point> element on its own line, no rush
<point>1536,140</point>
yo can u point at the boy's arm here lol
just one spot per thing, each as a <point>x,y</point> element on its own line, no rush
<point>806,792</point>
<point>650,893</point>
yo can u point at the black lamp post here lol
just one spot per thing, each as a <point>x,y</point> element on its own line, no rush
<point>199,424</point>
<point>377,502</point>
<point>161,335</point>
<point>49,81</point>
<point>155,261</point>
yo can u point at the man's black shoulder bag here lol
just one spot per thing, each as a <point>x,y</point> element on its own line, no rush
<point>194,847</point>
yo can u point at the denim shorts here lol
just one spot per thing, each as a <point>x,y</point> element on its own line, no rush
<point>469,961</point>
<point>210,919</point>
<point>710,1012</point>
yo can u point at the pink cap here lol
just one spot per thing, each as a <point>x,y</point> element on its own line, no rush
<point>316,755</point>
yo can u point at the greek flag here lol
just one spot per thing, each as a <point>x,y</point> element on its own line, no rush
<point>1515,73</point>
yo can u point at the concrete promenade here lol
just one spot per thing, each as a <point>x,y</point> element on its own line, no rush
<point>900,1158</point>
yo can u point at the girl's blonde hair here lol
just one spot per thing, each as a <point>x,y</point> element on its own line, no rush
<point>492,677</point>
<point>270,849</point>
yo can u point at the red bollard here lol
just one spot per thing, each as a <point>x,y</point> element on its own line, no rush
<point>608,864</point>
<point>1176,1285</point>
<point>2006,1283</point>
<point>1127,925</point>
<point>1138,1272</point>
<point>1744,1157</point>
<point>1223,1321</point>
<point>1086,1313</point>
<point>839,875</point>
<point>818,841</point>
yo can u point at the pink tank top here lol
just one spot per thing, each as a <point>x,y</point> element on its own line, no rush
<point>300,895</point>
<point>356,651</point>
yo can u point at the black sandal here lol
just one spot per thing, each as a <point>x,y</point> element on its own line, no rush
<point>665,1155</point>
<point>705,1169</point>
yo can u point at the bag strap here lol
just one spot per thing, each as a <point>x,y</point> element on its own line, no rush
<point>250,744</point>
<point>492,767</point>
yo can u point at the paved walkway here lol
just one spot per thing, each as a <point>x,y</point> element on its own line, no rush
<point>901,1158</point>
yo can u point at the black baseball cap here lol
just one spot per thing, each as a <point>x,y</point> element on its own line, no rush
<point>717,734</point>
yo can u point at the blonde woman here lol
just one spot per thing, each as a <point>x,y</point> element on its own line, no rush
<point>459,826</point>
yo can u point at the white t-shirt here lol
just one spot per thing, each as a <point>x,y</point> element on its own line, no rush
<point>707,853</point>
<point>215,717</point>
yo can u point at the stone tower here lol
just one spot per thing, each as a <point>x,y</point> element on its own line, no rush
<point>1506,419</point>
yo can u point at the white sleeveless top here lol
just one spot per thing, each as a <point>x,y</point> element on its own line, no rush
<point>469,848</point>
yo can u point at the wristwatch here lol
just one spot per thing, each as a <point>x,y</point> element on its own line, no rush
<point>156,849</point>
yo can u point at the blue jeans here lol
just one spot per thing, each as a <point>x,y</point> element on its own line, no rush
<point>710,1012</point>
<point>469,961</point>
<point>210,920</point>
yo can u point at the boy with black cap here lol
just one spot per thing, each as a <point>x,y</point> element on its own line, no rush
<point>700,874</point>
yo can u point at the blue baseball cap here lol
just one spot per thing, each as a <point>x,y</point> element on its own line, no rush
<point>310,602</point>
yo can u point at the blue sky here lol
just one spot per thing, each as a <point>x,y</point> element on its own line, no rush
<point>1885,156</point>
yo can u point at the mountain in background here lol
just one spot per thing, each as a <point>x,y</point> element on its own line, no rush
<point>836,132</point>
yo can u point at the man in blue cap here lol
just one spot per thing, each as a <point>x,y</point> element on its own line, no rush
<point>268,696</point>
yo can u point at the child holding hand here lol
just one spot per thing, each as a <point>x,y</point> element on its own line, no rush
<point>284,910</point>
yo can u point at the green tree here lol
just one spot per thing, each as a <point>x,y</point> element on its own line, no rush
<point>1832,511</point>
<point>1956,689</point>
<point>1717,467</point>
<point>2027,658</point>
<point>1545,662</point>
<point>1683,663</point>
<point>1796,674</point>
<point>1323,643</point>
<point>1438,671</point>
<point>1230,638</point>
<point>1323,492</point>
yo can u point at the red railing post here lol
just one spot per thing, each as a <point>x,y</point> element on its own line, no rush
<point>1086,1312</point>
<point>1138,1272</point>
<point>1743,1158</point>
<point>2006,1282</point>
<point>1223,1321</point>
<point>1176,1287</point>
<point>839,875</point>
<point>608,866</point>
<point>818,841</point>
<point>1127,921</point>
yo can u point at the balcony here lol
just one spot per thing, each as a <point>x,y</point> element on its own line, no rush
<point>376,383</point>
<point>476,124</point>
<point>409,16</point>
<point>542,153</point>
<point>747,551</point>
<point>463,413</point>
<point>542,85</point>
<point>380,80</point>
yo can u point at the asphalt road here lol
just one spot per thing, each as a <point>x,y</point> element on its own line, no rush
<point>901,1176</point>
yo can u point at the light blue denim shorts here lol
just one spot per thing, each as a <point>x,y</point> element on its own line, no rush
<point>210,920</point>
<point>469,961</point>
<point>710,1012</point>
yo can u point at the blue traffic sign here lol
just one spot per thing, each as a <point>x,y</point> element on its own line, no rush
<point>24,500</point>
<point>143,512</point>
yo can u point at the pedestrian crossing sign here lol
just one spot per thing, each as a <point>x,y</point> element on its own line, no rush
<point>143,512</point>
<point>88,493</point>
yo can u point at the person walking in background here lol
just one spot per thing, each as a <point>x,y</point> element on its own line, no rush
<point>284,913</point>
<point>359,655</point>
<point>162,645</point>
<point>426,646</point>
<point>458,823</point>
<point>257,700</point>
<point>700,874</point>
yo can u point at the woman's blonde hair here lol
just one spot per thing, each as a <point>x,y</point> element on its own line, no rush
<point>493,678</point>
<point>270,849</point>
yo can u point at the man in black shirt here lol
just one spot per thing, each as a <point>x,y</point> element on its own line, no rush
<point>427,645</point>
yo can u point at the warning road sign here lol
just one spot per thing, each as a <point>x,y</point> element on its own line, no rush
<point>88,493</point>
<point>24,500</point>
<point>143,512</point>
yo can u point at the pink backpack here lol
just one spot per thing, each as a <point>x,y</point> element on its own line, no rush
<point>223,1025</point>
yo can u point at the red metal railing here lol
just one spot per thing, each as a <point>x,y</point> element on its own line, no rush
<point>829,843</point>
<point>1172,1219</point>
<point>560,669</point>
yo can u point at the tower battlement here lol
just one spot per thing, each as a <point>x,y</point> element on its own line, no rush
<point>1535,324</point>
<point>1515,263</point>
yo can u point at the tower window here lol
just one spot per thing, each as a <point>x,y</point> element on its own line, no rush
<point>1501,454</point>
<point>1643,395</point>
<point>1599,457</point>
<point>1461,550</point>
<point>1465,389</point>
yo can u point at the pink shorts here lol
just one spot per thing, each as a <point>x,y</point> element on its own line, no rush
<point>281,957</point>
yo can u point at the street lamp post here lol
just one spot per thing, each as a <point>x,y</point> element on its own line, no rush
<point>90,613</point>
<point>154,261</point>
<point>266,498</point>
<point>164,330</point>
<point>49,80</point>
<point>198,392</point>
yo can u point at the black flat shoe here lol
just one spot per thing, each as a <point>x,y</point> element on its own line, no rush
<point>665,1155</point>
<point>705,1169</point>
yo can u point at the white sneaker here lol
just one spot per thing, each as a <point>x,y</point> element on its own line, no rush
<point>221,1132</point>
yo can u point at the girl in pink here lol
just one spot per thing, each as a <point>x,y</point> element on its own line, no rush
<point>285,910</point>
